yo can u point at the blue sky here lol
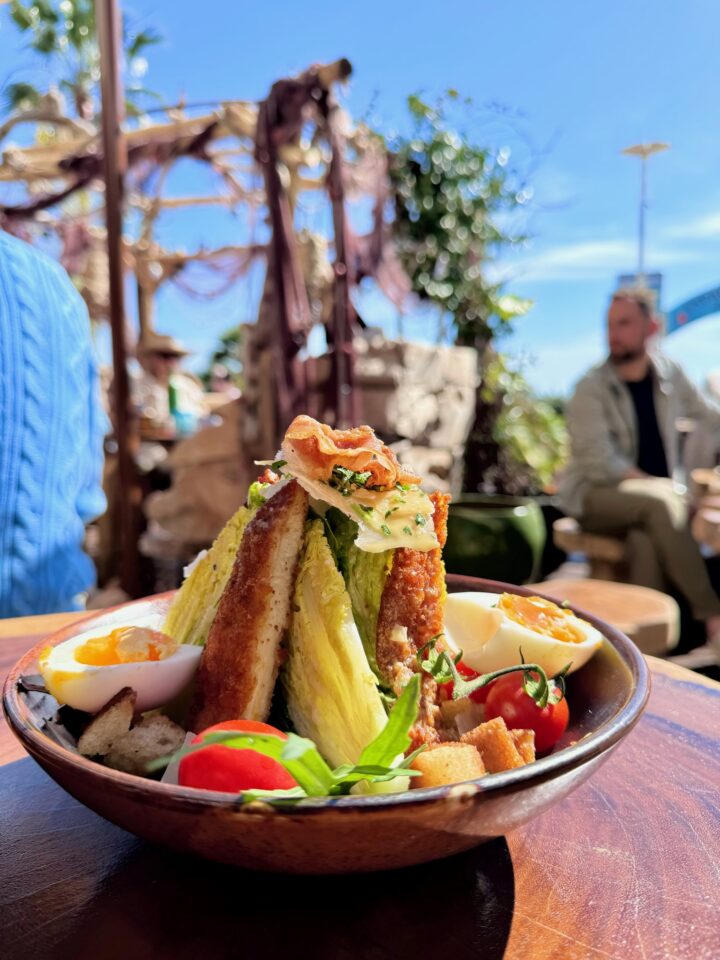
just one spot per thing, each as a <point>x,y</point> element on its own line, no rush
<point>582,81</point>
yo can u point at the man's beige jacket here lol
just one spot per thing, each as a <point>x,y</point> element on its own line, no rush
<point>603,426</point>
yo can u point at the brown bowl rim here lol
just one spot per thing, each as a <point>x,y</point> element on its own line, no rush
<point>607,736</point>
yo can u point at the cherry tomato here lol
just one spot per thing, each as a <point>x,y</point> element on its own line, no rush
<point>478,696</point>
<point>218,767</point>
<point>243,726</point>
<point>508,699</point>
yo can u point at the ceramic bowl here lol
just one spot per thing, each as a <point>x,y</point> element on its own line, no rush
<point>345,834</point>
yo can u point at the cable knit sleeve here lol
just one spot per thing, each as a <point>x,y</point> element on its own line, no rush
<point>51,428</point>
<point>91,502</point>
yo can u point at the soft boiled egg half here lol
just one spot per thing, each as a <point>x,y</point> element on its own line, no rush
<point>85,672</point>
<point>492,628</point>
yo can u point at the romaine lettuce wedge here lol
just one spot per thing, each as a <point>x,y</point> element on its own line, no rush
<point>193,610</point>
<point>364,574</point>
<point>332,694</point>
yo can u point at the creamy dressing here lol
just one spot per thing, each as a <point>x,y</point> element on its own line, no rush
<point>386,519</point>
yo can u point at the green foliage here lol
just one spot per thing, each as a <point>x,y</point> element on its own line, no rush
<point>452,197</point>
<point>456,202</point>
<point>63,34</point>
<point>229,353</point>
<point>137,42</point>
<point>21,96</point>
<point>530,430</point>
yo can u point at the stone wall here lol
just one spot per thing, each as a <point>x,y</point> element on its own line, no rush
<point>419,397</point>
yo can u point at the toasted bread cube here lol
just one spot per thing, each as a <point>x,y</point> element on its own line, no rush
<point>525,743</point>
<point>495,744</point>
<point>462,714</point>
<point>110,724</point>
<point>153,737</point>
<point>447,763</point>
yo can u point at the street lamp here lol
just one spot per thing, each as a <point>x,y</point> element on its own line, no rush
<point>643,150</point>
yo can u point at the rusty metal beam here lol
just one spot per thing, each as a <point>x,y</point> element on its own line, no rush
<point>114,169</point>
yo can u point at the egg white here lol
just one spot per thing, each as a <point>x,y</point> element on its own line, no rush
<point>490,640</point>
<point>86,687</point>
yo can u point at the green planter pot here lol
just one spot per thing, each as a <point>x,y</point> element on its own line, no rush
<point>495,537</point>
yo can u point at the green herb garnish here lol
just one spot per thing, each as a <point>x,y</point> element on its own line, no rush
<point>277,465</point>
<point>386,530</point>
<point>420,520</point>
<point>346,482</point>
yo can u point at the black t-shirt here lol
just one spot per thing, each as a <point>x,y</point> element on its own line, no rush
<point>651,451</point>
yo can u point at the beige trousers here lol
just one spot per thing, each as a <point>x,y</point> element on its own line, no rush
<point>660,546</point>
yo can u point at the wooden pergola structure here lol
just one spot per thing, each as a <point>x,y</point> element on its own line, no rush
<point>273,134</point>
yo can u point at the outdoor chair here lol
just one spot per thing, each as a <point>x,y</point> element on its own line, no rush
<point>607,556</point>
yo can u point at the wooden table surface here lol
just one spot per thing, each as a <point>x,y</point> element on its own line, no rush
<point>627,866</point>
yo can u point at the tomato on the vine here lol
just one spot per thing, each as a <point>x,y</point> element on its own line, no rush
<point>467,673</point>
<point>507,699</point>
<point>231,770</point>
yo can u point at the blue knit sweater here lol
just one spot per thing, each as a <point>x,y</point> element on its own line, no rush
<point>51,430</point>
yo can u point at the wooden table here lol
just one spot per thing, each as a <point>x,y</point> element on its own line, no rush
<point>627,866</point>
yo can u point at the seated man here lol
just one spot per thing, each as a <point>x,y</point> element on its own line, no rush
<point>622,422</point>
<point>51,435</point>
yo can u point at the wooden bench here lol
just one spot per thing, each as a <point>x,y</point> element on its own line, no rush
<point>650,618</point>
<point>606,555</point>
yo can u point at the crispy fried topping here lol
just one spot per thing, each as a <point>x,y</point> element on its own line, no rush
<point>268,476</point>
<point>320,448</point>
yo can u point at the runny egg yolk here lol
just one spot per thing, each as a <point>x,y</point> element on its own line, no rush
<point>542,616</point>
<point>126,645</point>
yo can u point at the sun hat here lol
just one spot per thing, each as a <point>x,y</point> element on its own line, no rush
<point>152,342</point>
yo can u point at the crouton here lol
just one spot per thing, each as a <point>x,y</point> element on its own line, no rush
<point>153,737</point>
<point>110,724</point>
<point>462,714</point>
<point>496,745</point>
<point>525,743</point>
<point>447,763</point>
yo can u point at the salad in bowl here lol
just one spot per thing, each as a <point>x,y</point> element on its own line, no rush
<point>314,662</point>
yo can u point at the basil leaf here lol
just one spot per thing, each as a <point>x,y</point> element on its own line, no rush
<point>394,739</point>
<point>302,759</point>
<point>299,756</point>
<point>274,797</point>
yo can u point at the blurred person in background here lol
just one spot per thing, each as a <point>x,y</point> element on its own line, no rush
<point>51,436</point>
<point>622,421</point>
<point>221,382</point>
<point>170,401</point>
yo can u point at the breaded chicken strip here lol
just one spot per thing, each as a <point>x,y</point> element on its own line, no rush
<point>240,662</point>
<point>414,593</point>
<point>411,614</point>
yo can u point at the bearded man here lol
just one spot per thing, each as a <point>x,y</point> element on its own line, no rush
<point>625,449</point>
